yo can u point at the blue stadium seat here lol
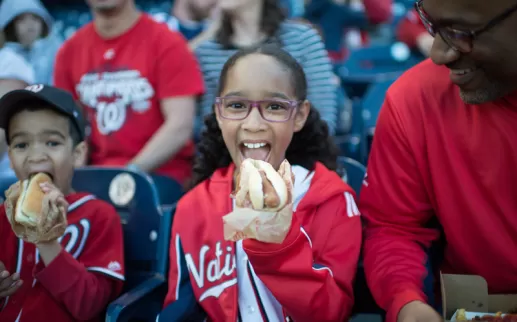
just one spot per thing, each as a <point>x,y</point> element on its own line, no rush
<point>6,180</point>
<point>146,240</point>
<point>372,103</point>
<point>354,173</point>
<point>372,64</point>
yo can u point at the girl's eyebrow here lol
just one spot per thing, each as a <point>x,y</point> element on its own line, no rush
<point>268,94</point>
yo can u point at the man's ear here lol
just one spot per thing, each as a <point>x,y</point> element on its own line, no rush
<point>301,116</point>
<point>80,155</point>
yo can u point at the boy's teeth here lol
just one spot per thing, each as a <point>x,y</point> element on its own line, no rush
<point>254,145</point>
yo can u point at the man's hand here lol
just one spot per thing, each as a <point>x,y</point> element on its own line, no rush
<point>9,284</point>
<point>417,311</point>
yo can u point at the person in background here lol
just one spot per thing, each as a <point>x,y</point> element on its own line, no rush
<point>27,25</point>
<point>15,73</point>
<point>245,23</point>
<point>262,112</point>
<point>188,17</point>
<point>138,82</point>
<point>445,148</point>
<point>339,17</point>
<point>412,32</point>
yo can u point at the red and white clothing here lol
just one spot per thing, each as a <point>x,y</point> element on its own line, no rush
<point>81,281</point>
<point>121,82</point>
<point>307,278</point>
<point>435,156</point>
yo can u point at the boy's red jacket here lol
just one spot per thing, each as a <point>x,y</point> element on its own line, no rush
<point>435,156</point>
<point>310,274</point>
<point>81,281</point>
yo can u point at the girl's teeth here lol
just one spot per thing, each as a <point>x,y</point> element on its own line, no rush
<point>254,145</point>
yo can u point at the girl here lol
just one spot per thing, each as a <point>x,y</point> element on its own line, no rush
<point>248,23</point>
<point>262,113</point>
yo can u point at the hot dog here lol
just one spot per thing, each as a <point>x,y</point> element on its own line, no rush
<point>29,205</point>
<point>261,185</point>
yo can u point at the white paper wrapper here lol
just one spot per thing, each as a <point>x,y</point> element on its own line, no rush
<point>265,226</point>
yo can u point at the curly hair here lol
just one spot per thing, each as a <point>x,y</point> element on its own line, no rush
<point>310,145</point>
<point>272,17</point>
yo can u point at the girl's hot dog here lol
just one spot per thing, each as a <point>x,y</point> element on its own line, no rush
<point>262,184</point>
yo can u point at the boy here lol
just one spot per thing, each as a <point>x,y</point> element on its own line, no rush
<point>75,276</point>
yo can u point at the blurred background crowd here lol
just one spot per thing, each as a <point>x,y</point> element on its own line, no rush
<point>351,50</point>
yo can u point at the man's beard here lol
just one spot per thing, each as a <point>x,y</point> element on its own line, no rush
<point>493,91</point>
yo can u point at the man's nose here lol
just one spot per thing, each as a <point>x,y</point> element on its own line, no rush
<point>442,53</point>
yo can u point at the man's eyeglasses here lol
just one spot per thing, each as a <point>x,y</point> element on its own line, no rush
<point>459,40</point>
<point>272,110</point>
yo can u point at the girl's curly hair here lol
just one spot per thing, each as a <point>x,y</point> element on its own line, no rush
<point>272,17</point>
<point>308,146</point>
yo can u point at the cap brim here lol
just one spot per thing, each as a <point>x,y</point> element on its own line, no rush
<point>10,102</point>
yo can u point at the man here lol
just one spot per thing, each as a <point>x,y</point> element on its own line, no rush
<point>138,82</point>
<point>188,16</point>
<point>446,147</point>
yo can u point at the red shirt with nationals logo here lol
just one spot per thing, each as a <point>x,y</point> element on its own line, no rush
<point>81,281</point>
<point>121,82</point>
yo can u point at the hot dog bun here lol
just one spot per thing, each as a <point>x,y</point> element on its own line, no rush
<point>29,205</point>
<point>265,187</point>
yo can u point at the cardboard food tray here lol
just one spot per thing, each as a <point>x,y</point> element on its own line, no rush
<point>470,315</point>
<point>470,292</point>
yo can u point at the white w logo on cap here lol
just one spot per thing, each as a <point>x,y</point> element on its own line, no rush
<point>35,88</point>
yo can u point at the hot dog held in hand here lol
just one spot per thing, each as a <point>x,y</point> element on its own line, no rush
<point>263,203</point>
<point>34,215</point>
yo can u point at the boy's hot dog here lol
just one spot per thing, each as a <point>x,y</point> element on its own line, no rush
<point>28,208</point>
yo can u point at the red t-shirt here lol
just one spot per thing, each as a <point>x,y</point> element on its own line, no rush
<point>434,155</point>
<point>81,281</point>
<point>121,82</point>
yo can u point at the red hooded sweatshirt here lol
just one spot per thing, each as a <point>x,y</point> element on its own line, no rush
<point>435,156</point>
<point>306,278</point>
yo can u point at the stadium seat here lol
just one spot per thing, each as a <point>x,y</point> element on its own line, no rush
<point>372,103</point>
<point>6,180</point>
<point>372,64</point>
<point>353,174</point>
<point>146,238</point>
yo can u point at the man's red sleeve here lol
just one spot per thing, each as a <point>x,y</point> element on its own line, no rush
<point>396,207</point>
<point>86,285</point>
<point>309,287</point>
<point>62,77</point>
<point>410,28</point>
<point>378,11</point>
<point>177,70</point>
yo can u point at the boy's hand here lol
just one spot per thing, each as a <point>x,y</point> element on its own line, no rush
<point>9,284</point>
<point>52,221</point>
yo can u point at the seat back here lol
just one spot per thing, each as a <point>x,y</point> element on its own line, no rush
<point>354,173</point>
<point>6,180</point>
<point>146,227</point>
<point>373,101</point>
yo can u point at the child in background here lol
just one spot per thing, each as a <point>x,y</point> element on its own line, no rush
<point>307,277</point>
<point>72,277</point>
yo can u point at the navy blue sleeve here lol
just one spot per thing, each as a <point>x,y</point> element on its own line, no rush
<point>186,307</point>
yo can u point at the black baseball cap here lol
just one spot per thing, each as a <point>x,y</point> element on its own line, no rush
<point>61,101</point>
